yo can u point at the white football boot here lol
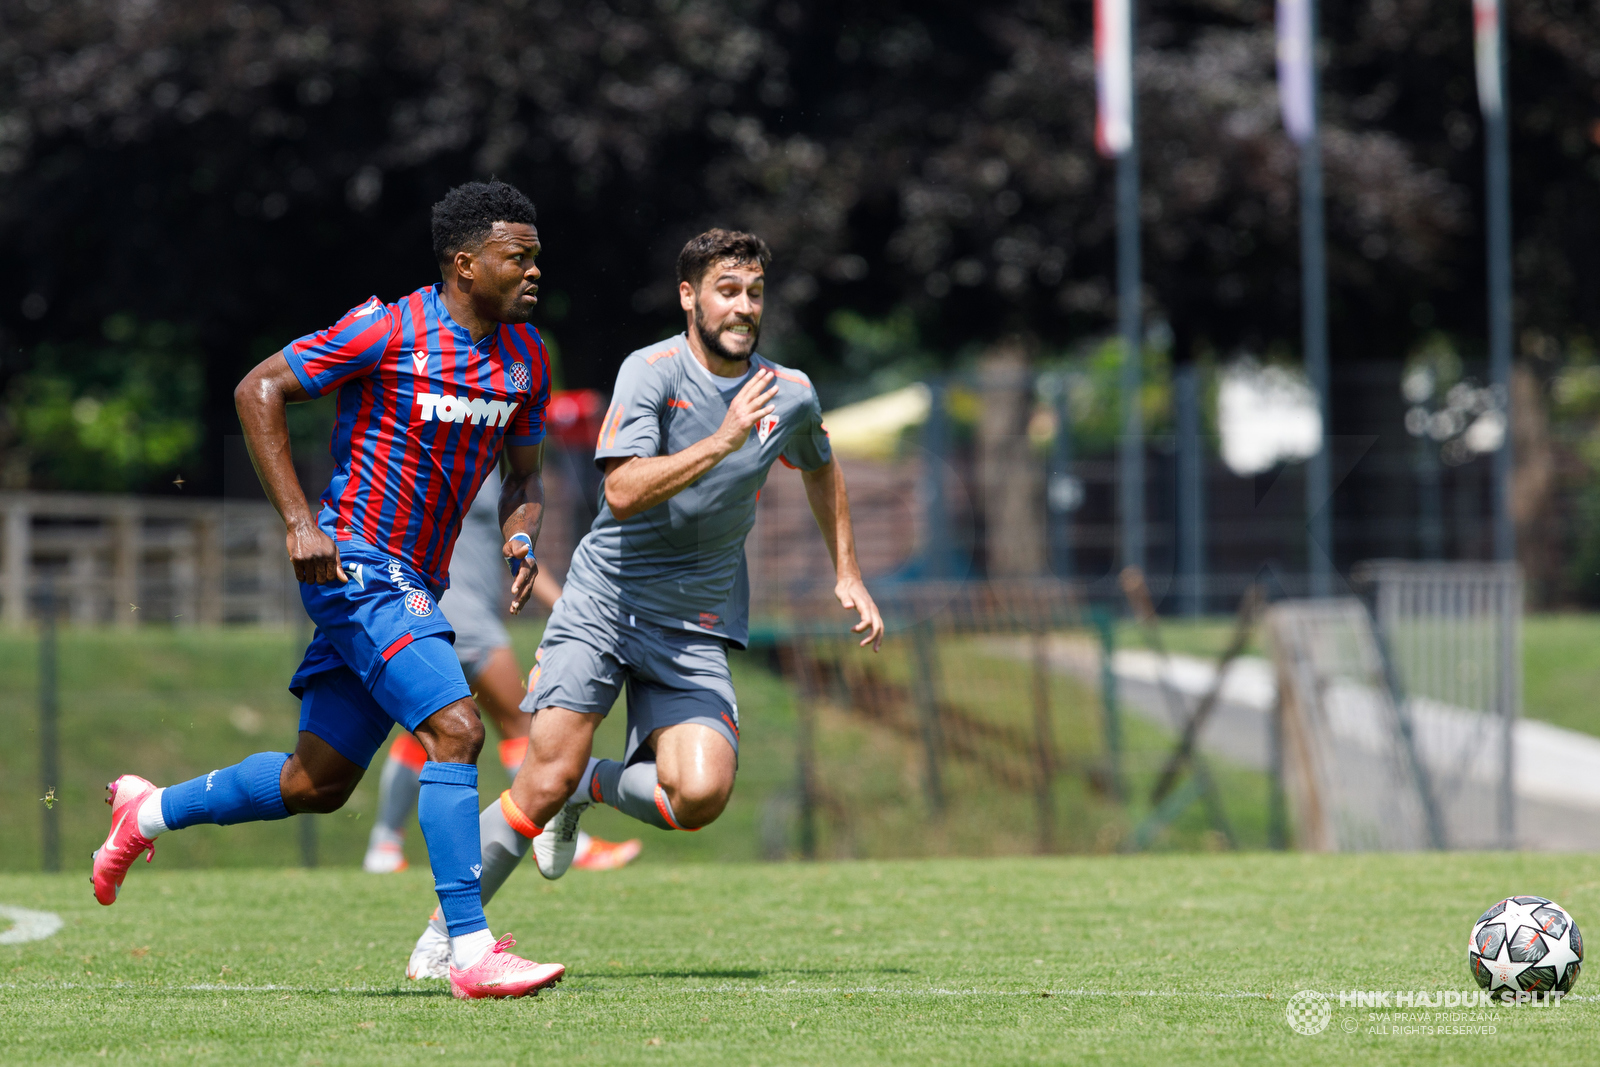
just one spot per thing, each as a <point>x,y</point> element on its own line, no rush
<point>431,956</point>
<point>555,847</point>
<point>385,853</point>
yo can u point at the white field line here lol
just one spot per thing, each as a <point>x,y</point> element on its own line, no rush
<point>796,990</point>
<point>29,925</point>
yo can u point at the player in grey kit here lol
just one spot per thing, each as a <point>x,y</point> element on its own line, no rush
<point>658,589</point>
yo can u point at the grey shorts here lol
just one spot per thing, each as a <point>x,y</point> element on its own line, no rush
<point>673,676</point>
<point>474,614</point>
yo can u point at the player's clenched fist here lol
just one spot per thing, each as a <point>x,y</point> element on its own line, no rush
<point>750,405</point>
<point>314,555</point>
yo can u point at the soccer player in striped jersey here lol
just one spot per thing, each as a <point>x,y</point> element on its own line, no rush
<point>433,391</point>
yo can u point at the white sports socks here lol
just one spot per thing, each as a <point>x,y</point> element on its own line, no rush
<point>467,949</point>
<point>150,821</point>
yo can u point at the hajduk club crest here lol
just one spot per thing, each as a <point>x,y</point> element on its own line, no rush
<point>417,603</point>
<point>519,376</point>
<point>765,427</point>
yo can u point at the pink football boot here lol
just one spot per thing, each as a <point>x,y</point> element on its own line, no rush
<point>500,974</point>
<point>124,843</point>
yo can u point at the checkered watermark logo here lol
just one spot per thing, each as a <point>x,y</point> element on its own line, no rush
<point>1438,1014</point>
<point>1309,1012</point>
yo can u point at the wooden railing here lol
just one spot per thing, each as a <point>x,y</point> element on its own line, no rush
<point>132,561</point>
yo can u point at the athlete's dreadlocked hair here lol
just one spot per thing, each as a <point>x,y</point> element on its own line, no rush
<point>714,246</point>
<point>463,220</point>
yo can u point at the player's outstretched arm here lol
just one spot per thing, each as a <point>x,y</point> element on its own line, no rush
<point>522,516</point>
<point>262,400</point>
<point>830,505</point>
<point>639,483</point>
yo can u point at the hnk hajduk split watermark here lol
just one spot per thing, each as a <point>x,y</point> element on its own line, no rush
<point>1421,1013</point>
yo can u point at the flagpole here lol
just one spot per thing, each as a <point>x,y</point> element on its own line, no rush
<point>1297,92</point>
<point>1115,124</point>
<point>1314,340</point>
<point>1130,325</point>
<point>1489,31</point>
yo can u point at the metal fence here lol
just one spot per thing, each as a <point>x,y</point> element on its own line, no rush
<point>968,681</point>
<point>1397,713</point>
<point>1453,636</point>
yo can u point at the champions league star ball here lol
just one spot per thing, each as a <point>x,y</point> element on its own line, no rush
<point>1526,945</point>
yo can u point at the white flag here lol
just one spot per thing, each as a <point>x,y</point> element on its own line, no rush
<point>1486,49</point>
<point>1294,68</point>
<point>1113,75</point>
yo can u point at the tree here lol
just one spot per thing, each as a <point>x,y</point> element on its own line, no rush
<point>250,171</point>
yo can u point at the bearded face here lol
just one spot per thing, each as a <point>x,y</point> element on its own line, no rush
<point>733,336</point>
<point>726,309</point>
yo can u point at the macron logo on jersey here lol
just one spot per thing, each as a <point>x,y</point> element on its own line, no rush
<point>447,408</point>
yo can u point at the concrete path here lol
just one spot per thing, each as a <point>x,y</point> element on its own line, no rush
<point>1556,771</point>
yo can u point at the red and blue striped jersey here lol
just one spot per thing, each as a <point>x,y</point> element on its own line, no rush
<point>422,415</point>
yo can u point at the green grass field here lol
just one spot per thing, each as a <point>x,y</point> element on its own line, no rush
<point>1147,959</point>
<point>223,952</point>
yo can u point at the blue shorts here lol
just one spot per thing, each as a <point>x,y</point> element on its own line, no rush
<point>381,654</point>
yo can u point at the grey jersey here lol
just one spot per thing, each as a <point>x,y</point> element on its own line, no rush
<point>478,564</point>
<point>681,563</point>
<point>480,583</point>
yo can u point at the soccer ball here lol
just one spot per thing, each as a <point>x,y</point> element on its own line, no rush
<point>1525,944</point>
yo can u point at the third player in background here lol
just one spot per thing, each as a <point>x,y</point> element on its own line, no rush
<point>474,602</point>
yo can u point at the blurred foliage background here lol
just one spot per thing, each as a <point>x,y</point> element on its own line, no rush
<point>184,187</point>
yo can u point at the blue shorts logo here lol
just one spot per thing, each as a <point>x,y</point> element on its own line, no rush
<point>519,376</point>
<point>417,603</point>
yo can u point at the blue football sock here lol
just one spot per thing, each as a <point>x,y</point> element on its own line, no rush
<point>249,791</point>
<point>447,808</point>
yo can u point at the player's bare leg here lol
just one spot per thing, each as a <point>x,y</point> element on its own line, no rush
<point>498,688</point>
<point>684,787</point>
<point>695,768</point>
<point>559,745</point>
<point>500,691</point>
<point>317,780</point>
